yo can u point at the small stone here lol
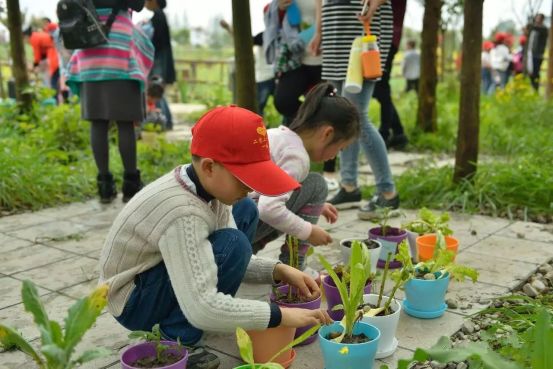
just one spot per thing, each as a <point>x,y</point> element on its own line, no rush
<point>452,303</point>
<point>473,232</point>
<point>437,365</point>
<point>538,285</point>
<point>545,268</point>
<point>476,327</point>
<point>498,304</point>
<point>462,365</point>
<point>529,290</point>
<point>484,301</point>
<point>451,366</point>
<point>429,276</point>
<point>467,327</point>
<point>521,235</point>
<point>500,331</point>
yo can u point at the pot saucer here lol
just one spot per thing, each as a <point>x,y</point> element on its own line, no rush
<point>423,314</point>
<point>389,351</point>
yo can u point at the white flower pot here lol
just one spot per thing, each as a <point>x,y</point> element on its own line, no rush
<point>346,252</point>
<point>386,324</point>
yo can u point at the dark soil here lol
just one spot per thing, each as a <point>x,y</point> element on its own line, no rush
<point>294,300</point>
<point>152,362</point>
<point>359,338</point>
<point>369,243</point>
<point>390,231</point>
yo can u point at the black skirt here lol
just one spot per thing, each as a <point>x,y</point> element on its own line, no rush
<point>117,100</point>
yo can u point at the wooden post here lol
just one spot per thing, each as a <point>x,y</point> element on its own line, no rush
<point>549,81</point>
<point>243,54</point>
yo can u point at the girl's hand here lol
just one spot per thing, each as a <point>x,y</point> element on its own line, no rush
<point>330,213</point>
<point>372,7</point>
<point>283,4</point>
<point>297,318</point>
<point>314,46</point>
<point>296,278</point>
<point>319,236</point>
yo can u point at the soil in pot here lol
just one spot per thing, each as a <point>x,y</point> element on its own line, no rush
<point>152,361</point>
<point>293,299</point>
<point>356,338</point>
<point>366,307</point>
<point>369,243</point>
<point>390,231</point>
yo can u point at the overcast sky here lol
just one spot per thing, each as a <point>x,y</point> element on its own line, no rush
<point>199,13</point>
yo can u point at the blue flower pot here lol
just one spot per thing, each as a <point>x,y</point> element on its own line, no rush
<point>349,356</point>
<point>426,298</point>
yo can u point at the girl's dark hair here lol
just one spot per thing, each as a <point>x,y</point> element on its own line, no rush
<point>323,106</point>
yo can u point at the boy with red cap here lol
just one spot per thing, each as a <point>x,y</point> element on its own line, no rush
<point>176,255</point>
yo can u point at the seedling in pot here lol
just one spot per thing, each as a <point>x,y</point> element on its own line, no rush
<point>162,358</point>
<point>383,216</point>
<point>428,222</point>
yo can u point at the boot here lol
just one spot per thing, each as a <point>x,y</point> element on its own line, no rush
<point>131,185</point>
<point>106,188</point>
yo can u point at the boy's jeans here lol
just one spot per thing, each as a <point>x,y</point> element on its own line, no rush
<point>153,299</point>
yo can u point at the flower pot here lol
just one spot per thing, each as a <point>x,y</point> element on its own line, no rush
<point>374,251</point>
<point>389,244</point>
<point>349,356</point>
<point>333,297</point>
<point>386,324</point>
<point>311,305</point>
<point>426,298</point>
<point>427,243</point>
<point>268,342</point>
<point>145,349</point>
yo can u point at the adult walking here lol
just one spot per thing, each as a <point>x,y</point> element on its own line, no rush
<point>537,41</point>
<point>110,80</point>
<point>340,24</point>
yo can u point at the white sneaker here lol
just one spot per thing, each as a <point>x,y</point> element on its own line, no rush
<point>332,184</point>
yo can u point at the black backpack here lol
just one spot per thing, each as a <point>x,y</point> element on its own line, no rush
<point>80,27</point>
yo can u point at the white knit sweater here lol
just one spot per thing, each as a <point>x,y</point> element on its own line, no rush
<point>167,222</point>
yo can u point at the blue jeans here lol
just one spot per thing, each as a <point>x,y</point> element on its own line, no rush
<point>153,300</point>
<point>164,106</point>
<point>370,140</point>
<point>264,90</point>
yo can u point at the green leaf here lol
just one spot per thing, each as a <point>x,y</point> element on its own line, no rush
<point>542,342</point>
<point>10,338</point>
<point>92,354</point>
<point>245,346</point>
<point>55,356</point>
<point>57,335</point>
<point>33,305</point>
<point>82,315</point>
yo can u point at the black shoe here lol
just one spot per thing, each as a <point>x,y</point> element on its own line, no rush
<point>346,200</point>
<point>131,185</point>
<point>369,211</point>
<point>106,188</point>
<point>397,142</point>
<point>200,358</point>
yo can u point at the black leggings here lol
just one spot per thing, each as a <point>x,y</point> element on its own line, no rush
<point>100,145</point>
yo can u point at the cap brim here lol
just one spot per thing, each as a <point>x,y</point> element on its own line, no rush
<point>264,177</point>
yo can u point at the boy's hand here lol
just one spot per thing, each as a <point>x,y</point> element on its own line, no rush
<point>319,236</point>
<point>296,278</point>
<point>297,318</point>
<point>330,213</point>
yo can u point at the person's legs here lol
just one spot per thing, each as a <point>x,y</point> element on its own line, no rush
<point>291,85</point>
<point>164,106</point>
<point>127,148</point>
<point>535,77</point>
<point>264,90</point>
<point>100,150</point>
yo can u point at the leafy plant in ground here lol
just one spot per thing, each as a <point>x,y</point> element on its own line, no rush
<point>428,222</point>
<point>161,357</point>
<point>352,297</point>
<point>57,344</point>
<point>246,348</point>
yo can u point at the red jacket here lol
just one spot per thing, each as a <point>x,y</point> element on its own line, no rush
<point>43,48</point>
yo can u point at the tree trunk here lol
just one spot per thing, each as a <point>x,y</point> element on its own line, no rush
<point>549,82</point>
<point>17,50</point>
<point>443,52</point>
<point>426,115</point>
<point>243,54</point>
<point>466,156</point>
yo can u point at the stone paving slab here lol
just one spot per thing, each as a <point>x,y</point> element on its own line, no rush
<point>9,243</point>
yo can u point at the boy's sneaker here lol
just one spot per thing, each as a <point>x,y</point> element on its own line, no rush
<point>346,200</point>
<point>369,210</point>
<point>200,358</point>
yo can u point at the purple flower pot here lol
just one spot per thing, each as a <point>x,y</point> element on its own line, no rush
<point>311,305</point>
<point>389,244</point>
<point>145,349</point>
<point>333,297</point>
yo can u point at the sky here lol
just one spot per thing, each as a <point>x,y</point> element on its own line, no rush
<point>200,13</point>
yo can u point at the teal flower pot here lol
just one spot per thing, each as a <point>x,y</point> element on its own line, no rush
<point>349,356</point>
<point>426,298</point>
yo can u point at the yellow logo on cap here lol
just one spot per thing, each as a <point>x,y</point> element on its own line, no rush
<point>262,131</point>
<point>263,140</point>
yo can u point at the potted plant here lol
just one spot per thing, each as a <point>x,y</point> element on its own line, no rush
<point>384,311</point>
<point>427,222</point>
<point>289,297</point>
<point>427,281</point>
<point>388,236</point>
<point>247,350</point>
<point>331,291</point>
<point>57,344</point>
<point>154,352</point>
<point>350,344</point>
<point>373,246</point>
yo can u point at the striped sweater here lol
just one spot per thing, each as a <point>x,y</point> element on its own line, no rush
<point>339,28</point>
<point>128,55</point>
<point>167,222</point>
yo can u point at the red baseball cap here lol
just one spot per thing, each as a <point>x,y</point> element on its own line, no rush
<point>237,139</point>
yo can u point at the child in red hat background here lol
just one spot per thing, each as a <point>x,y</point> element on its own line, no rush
<point>176,255</point>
